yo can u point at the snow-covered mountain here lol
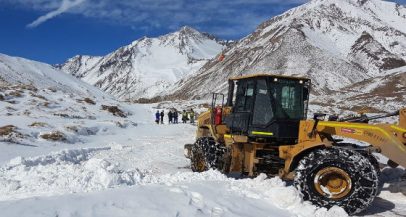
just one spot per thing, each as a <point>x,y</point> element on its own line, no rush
<point>335,43</point>
<point>20,71</point>
<point>43,106</point>
<point>147,66</point>
<point>383,93</point>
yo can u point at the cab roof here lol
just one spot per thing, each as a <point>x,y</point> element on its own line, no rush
<point>269,76</point>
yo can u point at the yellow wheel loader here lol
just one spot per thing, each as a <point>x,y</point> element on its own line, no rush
<point>263,128</point>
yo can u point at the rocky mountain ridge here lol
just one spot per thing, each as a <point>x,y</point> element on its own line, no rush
<point>335,43</point>
<point>148,66</point>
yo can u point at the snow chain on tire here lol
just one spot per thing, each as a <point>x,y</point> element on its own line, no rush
<point>207,154</point>
<point>362,188</point>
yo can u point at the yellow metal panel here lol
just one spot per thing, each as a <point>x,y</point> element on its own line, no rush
<point>381,136</point>
<point>235,138</point>
<point>400,129</point>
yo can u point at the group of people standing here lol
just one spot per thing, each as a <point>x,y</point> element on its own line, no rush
<point>173,116</point>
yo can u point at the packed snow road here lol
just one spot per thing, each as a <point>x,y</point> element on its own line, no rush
<point>140,170</point>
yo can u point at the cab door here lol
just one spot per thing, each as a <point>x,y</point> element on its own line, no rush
<point>278,109</point>
<point>262,111</point>
<point>240,119</point>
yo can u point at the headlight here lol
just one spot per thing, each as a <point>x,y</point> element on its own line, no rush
<point>404,135</point>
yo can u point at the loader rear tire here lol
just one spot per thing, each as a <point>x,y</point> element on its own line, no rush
<point>338,177</point>
<point>207,154</point>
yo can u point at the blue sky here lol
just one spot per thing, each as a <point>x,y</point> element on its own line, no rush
<point>52,31</point>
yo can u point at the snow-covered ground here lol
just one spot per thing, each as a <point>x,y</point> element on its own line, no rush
<point>67,149</point>
<point>115,166</point>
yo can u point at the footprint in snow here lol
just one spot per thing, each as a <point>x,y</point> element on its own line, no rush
<point>196,200</point>
<point>217,212</point>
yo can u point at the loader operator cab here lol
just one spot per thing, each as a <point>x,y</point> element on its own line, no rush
<point>267,107</point>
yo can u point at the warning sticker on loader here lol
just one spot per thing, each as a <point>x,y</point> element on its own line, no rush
<point>352,131</point>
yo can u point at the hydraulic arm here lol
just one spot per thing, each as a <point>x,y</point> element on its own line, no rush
<point>388,139</point>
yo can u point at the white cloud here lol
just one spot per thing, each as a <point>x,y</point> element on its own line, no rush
<point>225,18</point>
<point>65,6</point>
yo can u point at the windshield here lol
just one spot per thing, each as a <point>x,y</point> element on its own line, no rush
<point>288,99</point>
<point>270,99</point>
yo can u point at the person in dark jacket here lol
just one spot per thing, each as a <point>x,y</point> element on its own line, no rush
<point>157,115</point>
<point>184,117</point>
<point>192,116</point>
<point>162,116</point>
<point>170,116</point>
<point>175,116</point>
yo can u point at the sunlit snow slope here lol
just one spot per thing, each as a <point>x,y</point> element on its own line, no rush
<point>148,66</point>
<point>15,70</point>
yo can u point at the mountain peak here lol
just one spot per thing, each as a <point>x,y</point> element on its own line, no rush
<point>187,29</point>
<point>147,66</point>
<point>360,2</point>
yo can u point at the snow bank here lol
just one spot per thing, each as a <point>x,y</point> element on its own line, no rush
<point>82,170</point>
<point>64,172</point>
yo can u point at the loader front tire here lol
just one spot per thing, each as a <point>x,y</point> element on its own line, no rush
<point>207,154</point>
<point>198,158</point>
<point>337,177</point>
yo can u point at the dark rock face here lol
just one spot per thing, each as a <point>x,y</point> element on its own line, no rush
<point>114,110</point>
<point>369,53</point>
